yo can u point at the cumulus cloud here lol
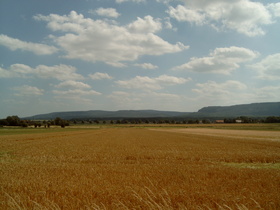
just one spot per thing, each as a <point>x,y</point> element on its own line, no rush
<point>146,25</point>
<point>212,92</point>
<point>147,83</point>
<point>60,72</point>
<point>168,24</point>
<point>136,1</point>
<point>73,84</point>
<point>140,83</point>
<point>275,9</point>
<point>97,40</point>
<point>267,93</point>
<point>106,12</point>
<point>27,90</point>
<point>76,92</point>
<point>182,13</point>
<point>164,1</point>
<point>146,65</point>
<point>144,100</point>
<point>4,73</point>
<point>244,16</point>
<point>220,61</point>
<point>269,67</point>
<point>100,76</point>
<point>16,44</point>
<point>212,87</point>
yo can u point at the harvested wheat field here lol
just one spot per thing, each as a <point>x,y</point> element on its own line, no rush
<point>140,168</point>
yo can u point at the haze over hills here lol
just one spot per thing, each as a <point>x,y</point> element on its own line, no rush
<point>250,110</point>
<point>100,114</point>
<point>256,109</point>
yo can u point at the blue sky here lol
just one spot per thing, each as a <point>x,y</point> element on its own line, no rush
<point>178,55</point>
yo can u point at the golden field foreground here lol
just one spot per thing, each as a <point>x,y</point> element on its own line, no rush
<point>140,168</point>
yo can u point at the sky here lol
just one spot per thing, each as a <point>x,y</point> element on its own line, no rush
<point>172,55</point>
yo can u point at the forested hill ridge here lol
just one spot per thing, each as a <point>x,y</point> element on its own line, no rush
<point>100,114</point>
<point>253,110</point>
<point>250,110</point>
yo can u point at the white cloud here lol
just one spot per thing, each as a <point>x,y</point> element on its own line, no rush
<point>146,25</point>
<point>73,84</point>
<point>168,24</point>
<point>76,95</point>
<point>275,9</point>
<point>182,13</point>
<point>147,83</point>
<point>76,92</point>
<point>212,87</point>
<point>7,74</point>
<point>97,40</point>
<point>164,1</point>
<point>16,44</point>
<point>144,100</point>
<point>27,90</point>
<point>244,16</point>
<point>60,72</point>
<point>136,1</point>
<point>269,67</point>
<point>267,93</point>
<point>171,80</point>
<point>21,69</point>
<point>212,92</point>
<point>99,76</point>
<point>220,61</point>
<point>146,66</point>
<point>107,12</point>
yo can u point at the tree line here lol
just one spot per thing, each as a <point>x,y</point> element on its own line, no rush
<point>16,121</point>
<point>241,119</point>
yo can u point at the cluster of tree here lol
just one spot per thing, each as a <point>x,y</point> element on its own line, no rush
<point>244,119</point>
<point>11,121</point>
<point>241,119</point>
<point>61,122</point>
<point>272,119</point>
<point>141,121</point>
<point>16,121</point>
<point>87,121</point>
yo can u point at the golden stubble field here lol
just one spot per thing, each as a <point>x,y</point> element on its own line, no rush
<point>141,168</point>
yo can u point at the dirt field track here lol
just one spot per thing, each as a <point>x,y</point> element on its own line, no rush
<point>141,168</point>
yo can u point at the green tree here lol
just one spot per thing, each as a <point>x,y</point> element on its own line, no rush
<point>13,120</point>
<point>57,121</point>
<point>3,122</point>
<point>24,124</point>
<point>62,124</point>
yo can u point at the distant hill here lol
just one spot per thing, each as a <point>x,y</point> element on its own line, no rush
<point>250,110</point>
<point>99,114</point>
